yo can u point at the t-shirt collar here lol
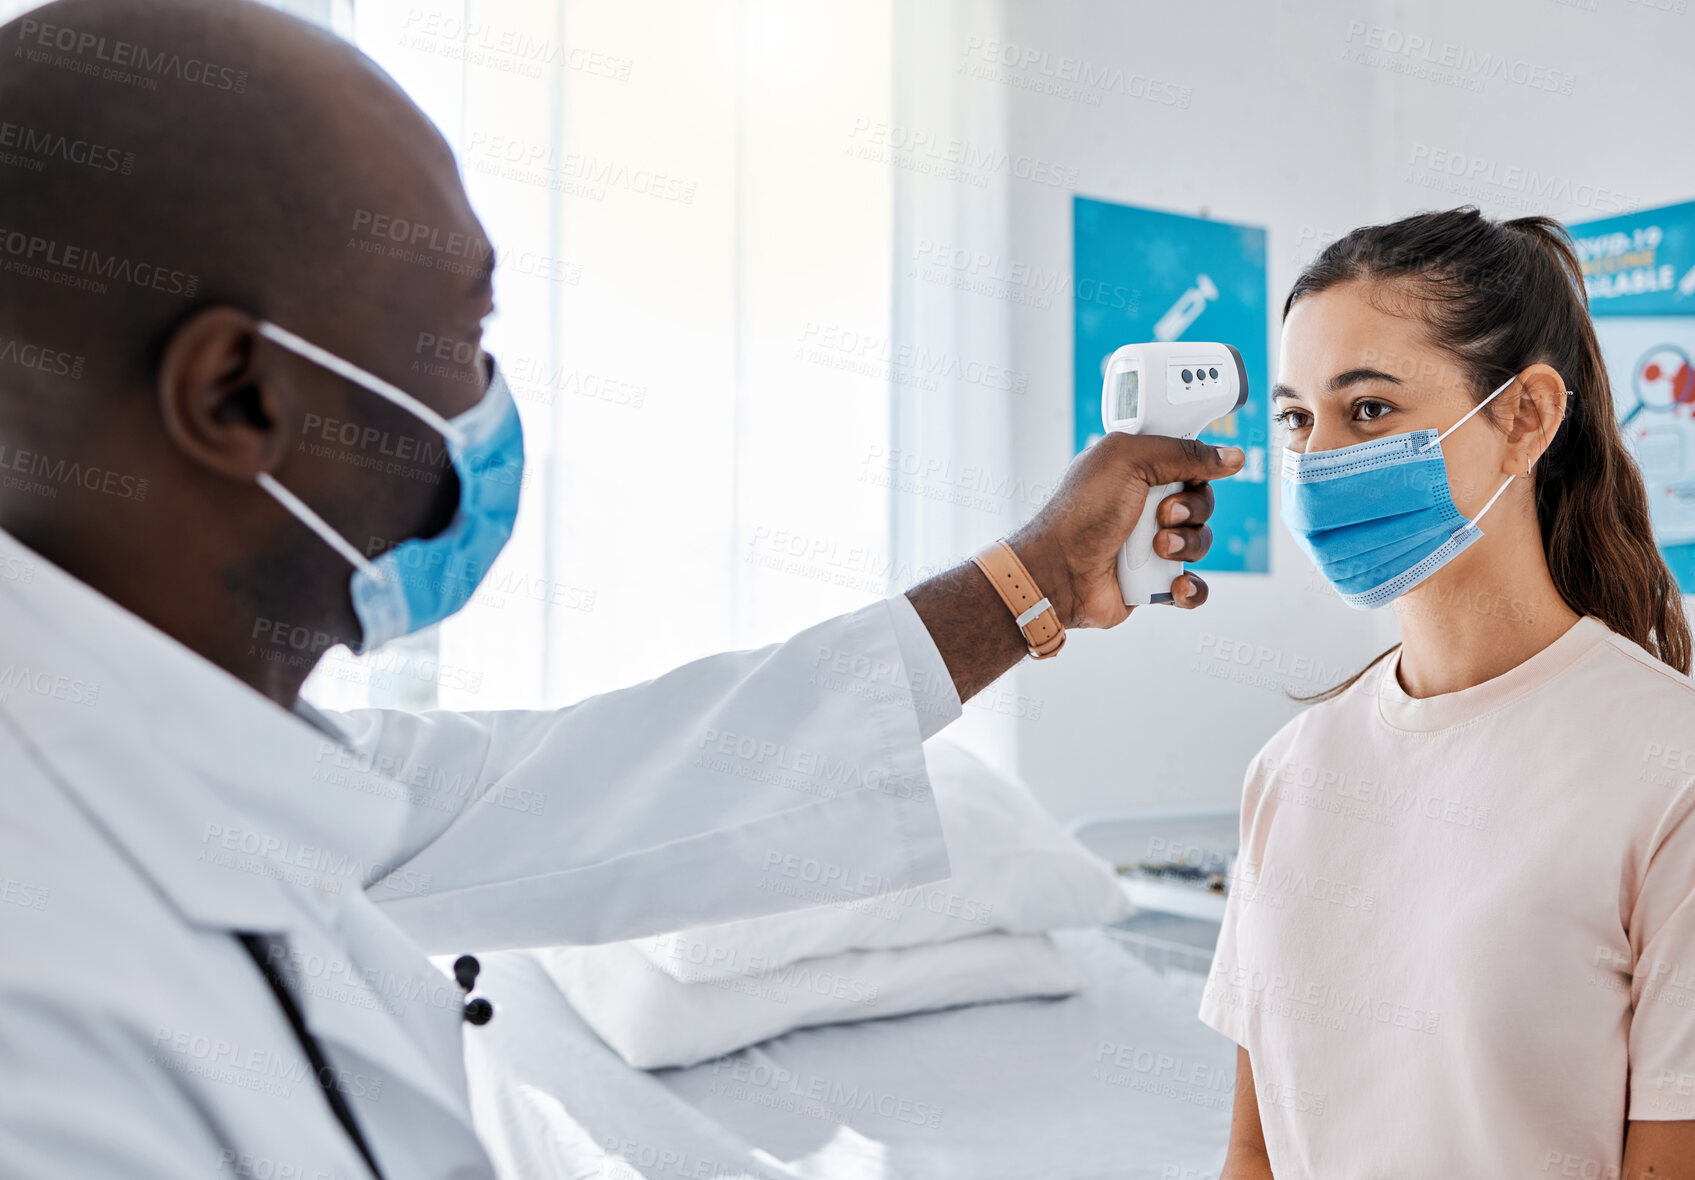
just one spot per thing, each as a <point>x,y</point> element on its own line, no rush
<point>1448,709</point>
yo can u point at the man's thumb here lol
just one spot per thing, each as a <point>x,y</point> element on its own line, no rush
<point>1182,460</point>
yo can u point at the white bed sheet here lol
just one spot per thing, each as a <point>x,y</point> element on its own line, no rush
<point>1120,1080</point>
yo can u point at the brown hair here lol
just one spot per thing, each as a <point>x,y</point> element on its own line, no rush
<point>1501,296</point>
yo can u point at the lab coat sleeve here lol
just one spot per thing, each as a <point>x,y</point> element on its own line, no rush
<point>741,784</point>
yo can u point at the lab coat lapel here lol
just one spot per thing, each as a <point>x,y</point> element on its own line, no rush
<point>219,796</point>
<point>215,791</point>
<point>389,1020</point>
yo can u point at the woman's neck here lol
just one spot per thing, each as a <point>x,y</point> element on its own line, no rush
<point>1478,619</point>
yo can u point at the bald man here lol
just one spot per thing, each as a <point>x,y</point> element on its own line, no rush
<point>218,901</point>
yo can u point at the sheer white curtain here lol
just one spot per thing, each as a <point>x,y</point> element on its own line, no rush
<point>690,258</point>
<point>952,459</point>
<point>756,391</point>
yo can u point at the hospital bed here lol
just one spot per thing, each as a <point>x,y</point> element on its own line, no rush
<point>1117,1080</point>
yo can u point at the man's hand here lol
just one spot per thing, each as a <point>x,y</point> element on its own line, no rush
<point>1071,550</point>
<point>1071,547</point>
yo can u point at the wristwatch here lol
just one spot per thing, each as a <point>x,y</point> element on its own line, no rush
<point>1035,615</point>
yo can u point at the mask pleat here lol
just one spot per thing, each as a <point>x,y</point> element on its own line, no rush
<point>1381,509</point>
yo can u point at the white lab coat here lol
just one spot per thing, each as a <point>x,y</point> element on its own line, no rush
<point>150,805</point>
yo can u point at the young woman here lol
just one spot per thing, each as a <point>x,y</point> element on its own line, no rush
<point>1462,941</point>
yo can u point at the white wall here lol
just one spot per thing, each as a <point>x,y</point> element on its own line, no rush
<point>1287,128</point>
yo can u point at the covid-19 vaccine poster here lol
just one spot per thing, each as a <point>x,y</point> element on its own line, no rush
<point>1144,275</point>
<point>1639,270</point>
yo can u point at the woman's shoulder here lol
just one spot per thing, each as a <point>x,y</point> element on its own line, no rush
<point>1626,680</point>
<point>1638,715</point>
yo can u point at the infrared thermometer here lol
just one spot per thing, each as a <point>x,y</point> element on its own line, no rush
<point>1174,389</point>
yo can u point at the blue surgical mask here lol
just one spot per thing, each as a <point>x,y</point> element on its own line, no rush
<point>1377,518</point>
<point>423,580</point>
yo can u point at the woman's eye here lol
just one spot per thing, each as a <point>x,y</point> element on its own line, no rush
<point>1369,411</point>
<point>1291,419</point>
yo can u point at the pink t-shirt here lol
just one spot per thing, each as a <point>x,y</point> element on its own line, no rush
<point>1461,941</point>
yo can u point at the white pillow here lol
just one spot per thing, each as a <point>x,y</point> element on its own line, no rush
<point>1014,870</point>
<point>653,1021</point>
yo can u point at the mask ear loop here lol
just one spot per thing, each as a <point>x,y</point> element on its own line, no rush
<point>297,507</point>
<point>1469,413</point>
<point>304,514</point>
<point>1529,467</point>
<point>1472,523</point>
<point>324,358</point>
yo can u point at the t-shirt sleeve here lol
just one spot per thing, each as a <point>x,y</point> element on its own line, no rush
<point>1218,1011</point>
<point>1662,935</point>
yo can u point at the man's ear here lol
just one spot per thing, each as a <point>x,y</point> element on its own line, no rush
<point>225,401</point>
<point>1537,413</point>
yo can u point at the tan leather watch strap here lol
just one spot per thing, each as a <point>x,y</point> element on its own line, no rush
<point>1035,616</point>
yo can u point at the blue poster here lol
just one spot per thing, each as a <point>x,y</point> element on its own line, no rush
<point>1143,275</point>
<point>1640,263</point>
<point>1640,273</point>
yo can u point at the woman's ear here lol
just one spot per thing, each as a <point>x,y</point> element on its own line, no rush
<point>1537,413</point>
<point>223,404</point>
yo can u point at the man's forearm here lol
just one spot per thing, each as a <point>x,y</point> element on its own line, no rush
<point>972,628</point>
<point>976,634</point>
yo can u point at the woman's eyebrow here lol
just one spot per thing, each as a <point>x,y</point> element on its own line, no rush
<point>1354,376</point>
<point>1340,382</point>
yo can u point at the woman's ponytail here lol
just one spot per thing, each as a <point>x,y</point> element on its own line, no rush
<point>1590,501</point>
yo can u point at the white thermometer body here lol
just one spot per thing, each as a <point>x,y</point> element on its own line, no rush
<point>1173,389</point>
